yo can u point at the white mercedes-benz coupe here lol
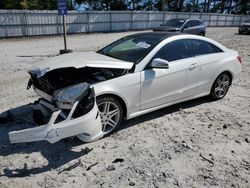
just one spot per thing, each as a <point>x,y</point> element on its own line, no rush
<point>88,94</point>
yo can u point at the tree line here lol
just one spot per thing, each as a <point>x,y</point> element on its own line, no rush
<point>215,6</point>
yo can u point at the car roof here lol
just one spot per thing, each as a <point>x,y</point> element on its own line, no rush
<point>156,35</point>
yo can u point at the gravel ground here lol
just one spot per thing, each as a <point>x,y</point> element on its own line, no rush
<point>199,143</point>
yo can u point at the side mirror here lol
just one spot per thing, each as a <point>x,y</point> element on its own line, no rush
<point>159,63</point>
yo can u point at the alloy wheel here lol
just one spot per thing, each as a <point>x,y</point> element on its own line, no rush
<point>221,86</point>
<point>110,115</point>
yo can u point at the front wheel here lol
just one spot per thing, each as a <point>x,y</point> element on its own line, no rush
<point>111,113</point>
<point>220,86</point>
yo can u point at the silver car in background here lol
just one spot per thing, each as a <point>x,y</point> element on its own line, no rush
<point>189,26</point>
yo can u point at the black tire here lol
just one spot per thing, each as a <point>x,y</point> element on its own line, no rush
<point>220,86</point>
<point>117,117</point>
<point>202,34</point>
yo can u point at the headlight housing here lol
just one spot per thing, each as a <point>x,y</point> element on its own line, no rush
<point>66,97</point>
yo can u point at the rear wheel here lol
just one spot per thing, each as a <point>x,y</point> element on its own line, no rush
<point>111,113</point>
<point>220,86</point>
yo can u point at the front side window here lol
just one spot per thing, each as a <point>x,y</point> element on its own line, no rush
<point>176,23</point>
<point>175,50</point>
<point>195,23</point>
<point>188,24</point>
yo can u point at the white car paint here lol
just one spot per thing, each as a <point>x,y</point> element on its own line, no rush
<point>80,60</point>
<point>144,90</point>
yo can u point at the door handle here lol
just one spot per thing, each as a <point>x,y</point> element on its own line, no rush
<point>193,66</point>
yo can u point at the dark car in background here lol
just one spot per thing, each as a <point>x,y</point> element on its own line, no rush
<point>245,27</point>
<point>190,26</point>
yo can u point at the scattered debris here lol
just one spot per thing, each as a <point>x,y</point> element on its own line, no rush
<point>87,150</point>
<point>118,160</point>
<point>71,167</point>
<point>89,167</point>
<point>247,140</point>
<point>131,183</point>
<point>237,141</point>
<point>110,168</point>
<point>164,174</point>
<point>204,158</point>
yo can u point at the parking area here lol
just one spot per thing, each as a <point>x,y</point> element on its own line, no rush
<point>198,143</point>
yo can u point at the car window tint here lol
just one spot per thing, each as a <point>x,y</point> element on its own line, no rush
<point>126,45</point>
<point>175,50</point>
<point>200,47</point>
<point>195,23</point>
<point>188,24</point>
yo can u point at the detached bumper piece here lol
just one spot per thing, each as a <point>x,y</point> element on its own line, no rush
<point>63,123</point>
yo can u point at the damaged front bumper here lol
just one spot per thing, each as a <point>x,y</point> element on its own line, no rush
<point>62,125</point>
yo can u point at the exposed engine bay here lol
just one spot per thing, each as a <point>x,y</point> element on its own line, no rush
<point>63,77</point>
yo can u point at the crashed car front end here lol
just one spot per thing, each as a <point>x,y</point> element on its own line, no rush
<point>67,106</point>
<point>72,111</point>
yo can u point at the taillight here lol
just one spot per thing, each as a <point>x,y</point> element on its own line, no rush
<point>239,59</point>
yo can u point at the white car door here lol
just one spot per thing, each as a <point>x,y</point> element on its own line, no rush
<point>210,58</point>
<point>180,80</point>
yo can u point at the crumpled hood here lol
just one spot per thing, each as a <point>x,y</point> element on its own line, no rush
<point>79,60</point>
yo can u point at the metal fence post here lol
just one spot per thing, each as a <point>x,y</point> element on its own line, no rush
<point>131,20</point>
<point>148,20</point>
<point>225,23</point>
<point>58,24</point>
<point>110,21</point>
<point>217,19</point>
<point>164,15</point>
<point>233,20</point>
<point>240,20</point>
<point>24,23</point>
<point>87,22</point>
<point>209,22</point>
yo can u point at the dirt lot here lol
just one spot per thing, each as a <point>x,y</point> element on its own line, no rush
<point>199,143</point>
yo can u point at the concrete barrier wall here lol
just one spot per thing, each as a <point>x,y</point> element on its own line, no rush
<point>37,22</point>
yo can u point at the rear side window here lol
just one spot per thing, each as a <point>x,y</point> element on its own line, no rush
<point>175,50</point>
<point>200,47</point>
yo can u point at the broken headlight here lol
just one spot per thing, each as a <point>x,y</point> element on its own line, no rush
<point>85,104</point>
<point>66,97</point>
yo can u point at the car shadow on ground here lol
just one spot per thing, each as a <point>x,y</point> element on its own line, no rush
<point>61,152</point>
<point>56,154</point>
<point>165,111</point>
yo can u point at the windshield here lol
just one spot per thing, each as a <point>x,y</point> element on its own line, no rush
<point>177,23</point>
<point>131,48</point>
